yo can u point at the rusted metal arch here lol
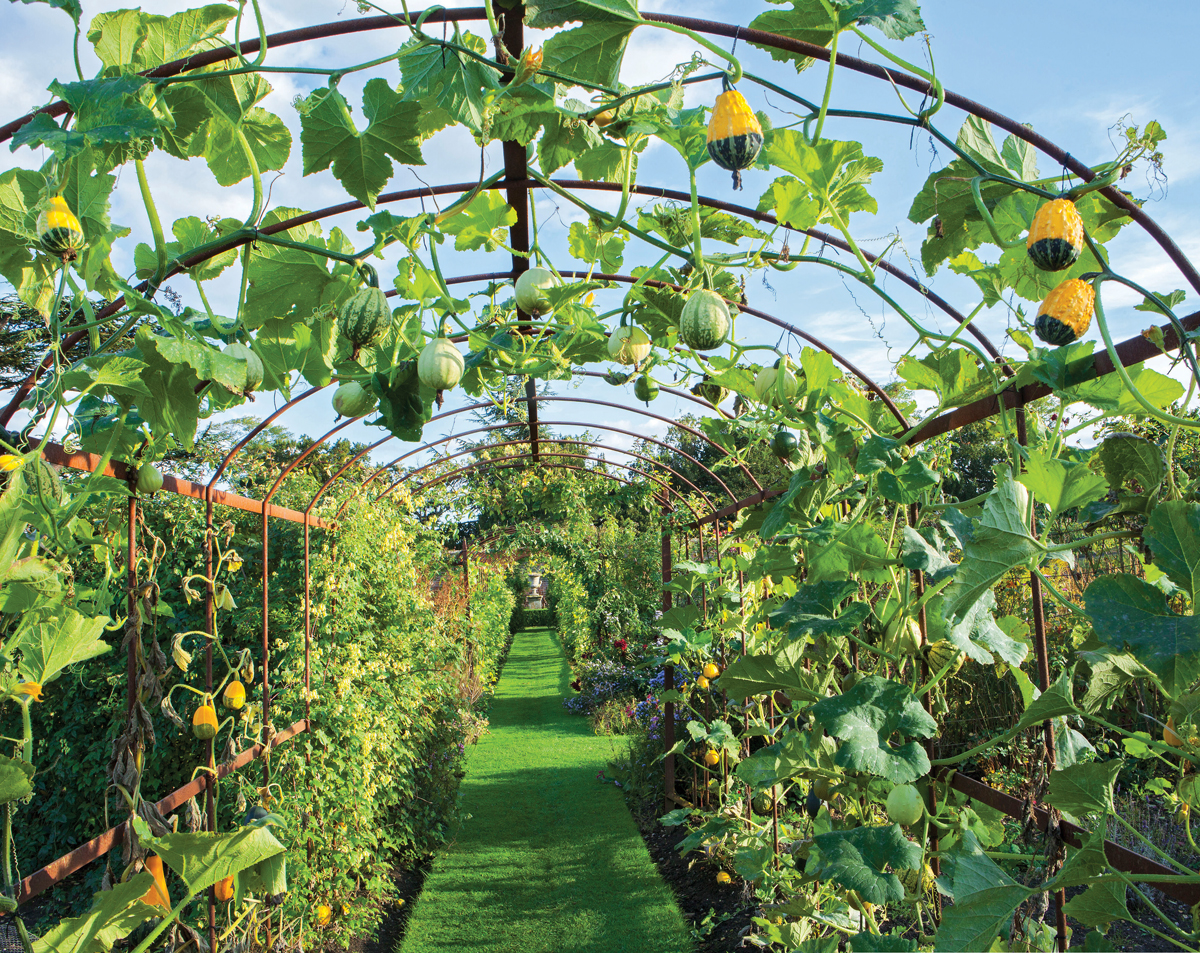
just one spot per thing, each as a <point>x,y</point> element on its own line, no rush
<point>670,490</point>
<point>550,465</point>
<point>565,442</point>
<point>718,29</point>
<point>549,423</point>
<point>580,400</point>
<point>654,191</point>
<point>241,444</point>
<point>734,32</point>
<point>492,427</point>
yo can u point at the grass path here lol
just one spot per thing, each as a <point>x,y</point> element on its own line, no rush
<point>550,860</point>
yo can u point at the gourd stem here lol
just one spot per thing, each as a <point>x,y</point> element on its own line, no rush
<point>256,179</point>
<point>1059,597</point>
<point>938,92</point>
<point>697,253</point>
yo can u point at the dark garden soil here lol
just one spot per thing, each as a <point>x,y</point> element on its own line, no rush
<point>395,912</point>
<point>719,914</point>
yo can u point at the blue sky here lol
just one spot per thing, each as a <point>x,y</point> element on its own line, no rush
<point>1071,69</point>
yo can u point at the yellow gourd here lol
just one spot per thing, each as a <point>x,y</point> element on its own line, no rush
<point>735,136</point>
<point>1066,312</point>
<point>1056,236</point>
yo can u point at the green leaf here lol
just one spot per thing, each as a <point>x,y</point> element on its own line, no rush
<point>290,283</point>
<point>16,778</point>
<point>1061,484</point>
<point>1084,862</point>
<point>190,233</point>
<point>360,159</point>
<point>1110,676</point>
<point>541,14</point>
<point>857,859</point>
<point>1129,613</point>
<point>951,374</point>
<point>287,345</point>
<point>1173,535</point>
<point>269,139</point>
<point>1100,905</point>
<point>202,859</point>
<point>1171,299</point>
<point>835,173</point>
<point>481,224</point>
<point>1054,702</point>
<point>49,645</point>
<point>1084,788</point>
<point>880,943</point>
<point>446,79</point>
<point>105,111</point>
<point>976,632</point>
<point>589,244</point>
<point>113,915</point>
<point>1109,393</point>
<point>165,39</point>
<point>865,719</point>
<point>993,544</point>
<point>974,924</point>
<point>592,53</point>
<point>759,674</point>
<point>565,138</point>
<point>162,352</point>
<point>967,870</point>
<point>602,163</point>
<point>805,615</point>
<point>778,762</point>
<point>809,22</point>
<point>404,402</point>
<point>908,483</point>
<point>1133,462</point>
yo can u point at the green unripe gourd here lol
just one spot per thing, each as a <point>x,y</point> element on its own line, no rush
<point>353,400</point>
<point>943,653</point>
<point>531,290</point>
<point>777,386</point>
<point>254,365</point>
<point>149,480</point>
<point>704,323</point>
<point>440,365</point>
<point>629,345</point>
<point>784,444</point>
<point>645,389</point>
<point>904,805</point>
<point>903,637</point>
<point>364,318</point>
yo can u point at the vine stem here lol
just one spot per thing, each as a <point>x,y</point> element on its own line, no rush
<point>1119,367</point>
<point>735,73</point>
<point>833,48</point>
<point>160,245</point>
<point>697,252</point>
<point>256,206</point>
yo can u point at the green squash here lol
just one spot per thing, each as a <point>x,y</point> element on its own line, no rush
<point>704,323</point>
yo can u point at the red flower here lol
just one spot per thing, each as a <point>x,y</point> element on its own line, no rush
<point>575,685</point>
<point>620,645</point>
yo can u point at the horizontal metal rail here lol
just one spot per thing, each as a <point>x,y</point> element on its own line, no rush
<point>58,870</point>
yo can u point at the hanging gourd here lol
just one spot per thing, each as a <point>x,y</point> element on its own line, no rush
<point>353,400</point>
<point>704,323</point>
<point>364,318</point>
<point>784,444</point>
<point>735,136</point>
<point>531,290</point>
<point>645,389</point>
<point>777,385</point>
<point>149,480</point>
<point>234,696</point>
<point>711,391</point>
<point>440,365</point>
<point>1066,313</point>
<point>59,232</point>
<point>204,721</point>
<point>629,345</point>
<point>943,653</point>
<point>1056,236</point>
<point>254,365</point>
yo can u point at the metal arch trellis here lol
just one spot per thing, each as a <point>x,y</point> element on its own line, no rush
<point>1135,350</point>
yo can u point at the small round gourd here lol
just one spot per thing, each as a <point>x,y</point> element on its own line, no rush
<point>904,805</point>
<point>645,389</point>
<point>149,480</point>
<point>531,290</point>
<point>353,400</point>
<point>204,722</point>
<point>223,889</point>
<point>709,390</point>
<point>943,653</point>
<point>629,345</point>
<point>903,637</point>
<point>784,444</point>
<point>364,318</point>
<point>1066,313</point>
<point>58,230</point>
<point>1055,239</point>
<point>440,365</point>
<point>777,385</point>
<point>254,365</point>
<point>704,323</point>
<point>735,135</point>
